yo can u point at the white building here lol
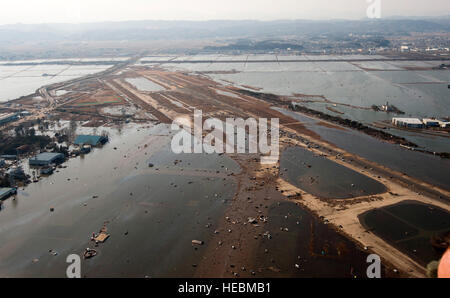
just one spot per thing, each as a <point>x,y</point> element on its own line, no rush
<point>431,122</point>
<point>408,122</point>
<point>444,124</point>
<point>404,48</point>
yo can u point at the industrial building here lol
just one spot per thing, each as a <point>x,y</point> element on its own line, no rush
<point>7,192</point>
<point>90,140</point>
<point>430,122</point>
<point>408,122</point>
<point>5,118</point>
<point>46,158</point>
<point>444,124</point>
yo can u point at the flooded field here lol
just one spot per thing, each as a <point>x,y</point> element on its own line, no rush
<point>21,80</point>
<point>323,178</point>
<point>351,87</point>
<point>417,92</point>
<point>411,227</point>
<point>151,214</point>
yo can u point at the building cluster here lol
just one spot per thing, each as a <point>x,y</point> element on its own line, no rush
<point>420,123</point>
<point>437,43</point>
<point>44,163</point>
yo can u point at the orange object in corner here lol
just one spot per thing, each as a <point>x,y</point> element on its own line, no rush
<point>444,265</point>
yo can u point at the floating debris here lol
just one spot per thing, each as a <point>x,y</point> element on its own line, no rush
<point>89,253</point>
<point>197,242</point>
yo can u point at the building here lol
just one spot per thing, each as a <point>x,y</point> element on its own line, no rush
<point>444,124</point>
<point>430,122</point>
<point>25,113</point>
<point>16,173</point>
<point>404,49</point>
<point>408,122</point>
<point>46,158</point>
<point>90,140</point>
<point>9,157</point>
<point>5,118</point>
<point>7,192</point>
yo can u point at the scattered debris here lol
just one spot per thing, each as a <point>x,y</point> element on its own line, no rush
<point>89,253</point>
<point>252,220</point>
<point>197,242</point>
<point>101,237</point>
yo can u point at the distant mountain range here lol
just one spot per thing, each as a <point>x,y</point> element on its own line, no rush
<point>166,30</point>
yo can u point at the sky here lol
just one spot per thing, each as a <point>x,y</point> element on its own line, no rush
<point>82,11</point>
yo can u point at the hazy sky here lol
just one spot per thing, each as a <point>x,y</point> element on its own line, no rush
<point>76,11</point>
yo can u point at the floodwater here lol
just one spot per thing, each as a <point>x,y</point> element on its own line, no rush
<point>419,93</point>
<point>316,249</point>
<point>423,95</point>
<point>21,80</point>
<point>324,178</point>
<point>143,84</point>
<point>151,214</point>
<point>432,143</point>
<point>426,167</point>
<point>410,226</point>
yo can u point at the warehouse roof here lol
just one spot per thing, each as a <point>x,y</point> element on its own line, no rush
<point>89,140</point>
<point>409,120</point>
<point>5,191</point>
<point>47,156</point>
<point>430,120</point>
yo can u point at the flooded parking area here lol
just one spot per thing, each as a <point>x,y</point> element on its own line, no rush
<point>324,178</point>
<point>152,215</point>
<point>413,227</point>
